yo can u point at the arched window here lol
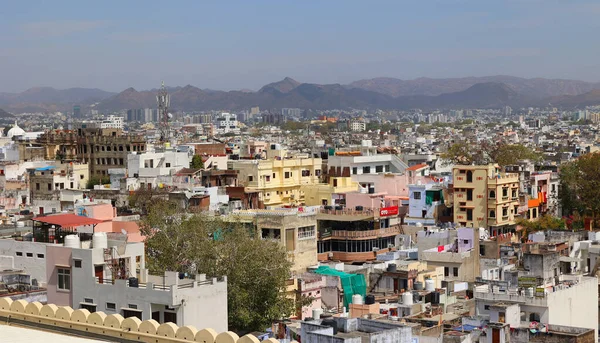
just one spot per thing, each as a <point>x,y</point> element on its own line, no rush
<point>492,214</point>
<point>469,176</point>
<point>492,194</point>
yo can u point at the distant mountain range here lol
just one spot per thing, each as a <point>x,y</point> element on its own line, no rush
<point>383,93</point>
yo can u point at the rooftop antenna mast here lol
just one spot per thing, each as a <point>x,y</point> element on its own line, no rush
<point>164,99</point>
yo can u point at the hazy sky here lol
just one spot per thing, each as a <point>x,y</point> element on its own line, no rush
<point>245,44</point>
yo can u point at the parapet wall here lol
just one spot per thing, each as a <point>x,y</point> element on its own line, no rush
<point>112,327</point>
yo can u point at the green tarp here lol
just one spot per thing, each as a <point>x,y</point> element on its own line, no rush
<point>351,283</point>
<point>429,195</point>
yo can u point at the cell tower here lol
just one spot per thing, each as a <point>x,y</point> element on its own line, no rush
<point>163,99</point>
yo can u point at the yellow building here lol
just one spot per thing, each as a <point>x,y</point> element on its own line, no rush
<point>485,197</point>
<point>328,193</point>
<point>278,178</point>
<point>293,228</point>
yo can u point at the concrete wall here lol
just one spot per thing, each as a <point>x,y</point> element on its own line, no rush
<point>112,327</point>
<point>34,265</point>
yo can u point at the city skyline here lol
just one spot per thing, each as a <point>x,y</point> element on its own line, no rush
<point>241,45</point>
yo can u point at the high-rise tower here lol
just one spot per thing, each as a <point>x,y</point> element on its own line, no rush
<point>163,99</point>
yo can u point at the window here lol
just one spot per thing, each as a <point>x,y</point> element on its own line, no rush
<point>455,271</point>
<point>274,176</point>
<point>132,313</point>
<point>366,170</point>
<point>290,239</point>
<point>88,300</point>
<point>133,306</point>
<point>306,232</point>
<point>387,168</point>
<point>469,176</point>
<point>64,279</point>
<point>250,178</point>
<point>379,169</point>
<point>287,175</point>
<point>486,307</point>
<point>492,194</point>
<point>40,255</point>
<point>505,212</point>
<point>505,192</point>
<point>446,271</point>
<point>168,165</point>
<point>81,176</point>
<point>37,186</point>
<point>18,253</point>
<point>417,195</point>
<point>49,186</point>
<point>71,185</point>
<point>354,170</point>
<point>29,254</point>
<point>267,178</point>
<point>492,214</point>
<point>318,172</point>
<point>469,195</point>
<point>170,317</point>
<point>470,214</point>
<point>77,263</point>
<point>111,306</point>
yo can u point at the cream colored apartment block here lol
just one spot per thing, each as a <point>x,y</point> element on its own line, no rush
<point>485,197</point>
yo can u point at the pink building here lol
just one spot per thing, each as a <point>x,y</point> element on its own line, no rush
<point>110,221</point>
<point>310,285</point>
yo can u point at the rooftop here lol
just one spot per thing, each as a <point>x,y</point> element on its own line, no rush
<point>25,335</point>
<point>67,220</point>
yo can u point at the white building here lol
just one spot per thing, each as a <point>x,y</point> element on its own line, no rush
<point>365,160</point>
<point>357,125</point>
<point>112,122</point>
<point>227,122</point>
<point>153,169</point>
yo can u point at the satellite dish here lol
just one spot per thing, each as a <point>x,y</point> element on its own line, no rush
<point>170,115</point>
<point>123,231</point>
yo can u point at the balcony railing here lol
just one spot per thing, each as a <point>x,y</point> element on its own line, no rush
<point>365,234</point>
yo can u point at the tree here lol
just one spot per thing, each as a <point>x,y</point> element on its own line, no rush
<point>580,181</point>
<point>143,199</point>
<point>503,154</point>
<point>256,269</point>
<point>97,180</point>
<point>197,162</point>
<point>545,222</point>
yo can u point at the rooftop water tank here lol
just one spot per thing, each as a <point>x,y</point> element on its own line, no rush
<point>316,313</point>
<point>429,285</point>
<point>72,241</point>
<point>418,285</point>
<point>391,267</point>
<point>99,240</point>
<point>357,299</point>
<point>370,299</point>
<point>407,298</point>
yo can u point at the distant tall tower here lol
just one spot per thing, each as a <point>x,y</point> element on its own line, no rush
<point>76,111</point>
<point>163,99</point>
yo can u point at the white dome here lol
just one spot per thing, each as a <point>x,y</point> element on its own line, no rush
<point>15,131</point>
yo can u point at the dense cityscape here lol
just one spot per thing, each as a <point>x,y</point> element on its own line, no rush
<point>395,185</point>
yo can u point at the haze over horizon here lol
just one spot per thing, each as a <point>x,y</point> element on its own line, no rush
<point>249,44</point>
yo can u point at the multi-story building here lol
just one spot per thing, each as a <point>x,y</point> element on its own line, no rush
<point>152,168</point>
<point>227,122</point>
<point>278,178</point>
<point>363,160</point>
<point>485,197</point>
<point>291,112</point>
<point>112,122</point>
<point>46,184</point>
<point>357,235</point>
<point>105,149</point>
<point>357,125</point>
<point>293,228</point>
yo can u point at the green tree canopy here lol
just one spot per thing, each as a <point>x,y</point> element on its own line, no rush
<point>465,153</point>
<point>197,162</point>
<point>545,222</point>
<point>256,269</point>
<point>579,185</point>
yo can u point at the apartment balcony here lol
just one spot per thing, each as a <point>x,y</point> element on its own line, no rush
<point>369,234</point>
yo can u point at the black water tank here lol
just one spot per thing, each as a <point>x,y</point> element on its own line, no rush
<point>369,299</point>
<point>133,282</point>
<point>339,208</point>
<point>331,323</point>
<point>359,208</point>
<point>391,267</point>
<point>327,207</point>
<point>371,190</point>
